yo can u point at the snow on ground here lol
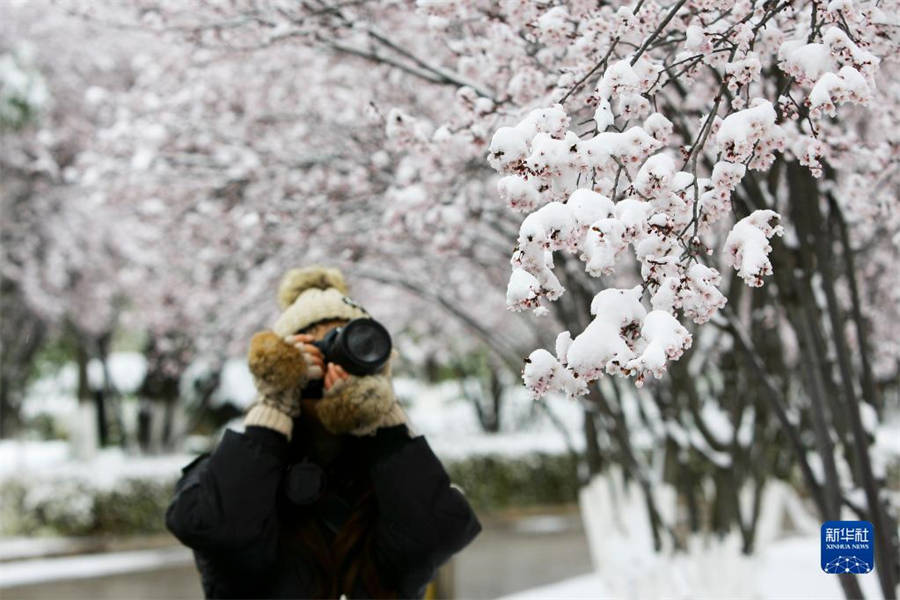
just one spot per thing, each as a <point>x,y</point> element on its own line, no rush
<point>28,456</point>
<point>788,568</point>
<point>583,586</point>
<point>91,565</point>
<point>51,460</point>
<point>20,547</point>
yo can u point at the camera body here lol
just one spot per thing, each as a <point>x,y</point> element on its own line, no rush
<point>361,347</point>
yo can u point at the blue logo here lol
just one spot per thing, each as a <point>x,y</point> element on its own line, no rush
<point>848,547</point>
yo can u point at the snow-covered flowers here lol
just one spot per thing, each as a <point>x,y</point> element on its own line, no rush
<point>638,198</point>
<point>664,339</point>
<point>623,338</point>
<point>751,135</point>
<point>837,69</point>
<point>544,373</point>
<point>848,85</point>
<point>747,246</point>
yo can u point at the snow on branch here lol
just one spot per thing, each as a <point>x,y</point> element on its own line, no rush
<point>640,147</point>
<point>747,245</point>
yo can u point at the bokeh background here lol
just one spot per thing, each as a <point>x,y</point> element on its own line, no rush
<point>163,163</point>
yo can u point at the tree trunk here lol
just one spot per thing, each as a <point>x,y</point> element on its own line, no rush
<point>84,434</point>
<point>885,528</point>
<point>158,397</point>
<point>592,448</point>
<point>112,399</point>
<point>22,334</point>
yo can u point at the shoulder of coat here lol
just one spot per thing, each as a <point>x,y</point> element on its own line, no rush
<point>458,488</point>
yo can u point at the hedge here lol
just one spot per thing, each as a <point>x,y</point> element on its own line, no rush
<point>73,507</point>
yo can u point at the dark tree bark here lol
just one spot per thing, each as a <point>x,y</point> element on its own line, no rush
<point>158,394</point>
<point>22,333</point>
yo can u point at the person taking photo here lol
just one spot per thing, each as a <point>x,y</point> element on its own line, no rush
<point>328,491</point>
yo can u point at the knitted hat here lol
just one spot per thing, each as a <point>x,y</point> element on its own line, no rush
<point>313,294</point>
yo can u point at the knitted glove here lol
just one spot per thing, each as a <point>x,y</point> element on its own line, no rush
<point>279,372</point>
<point>359,405</point>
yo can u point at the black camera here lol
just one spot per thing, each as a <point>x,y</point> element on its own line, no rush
<point>361,347</point>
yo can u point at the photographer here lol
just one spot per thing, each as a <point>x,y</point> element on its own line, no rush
<point>328,491</point>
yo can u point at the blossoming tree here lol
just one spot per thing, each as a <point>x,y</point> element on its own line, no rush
<point>700,188</point>
<point>671,141</point>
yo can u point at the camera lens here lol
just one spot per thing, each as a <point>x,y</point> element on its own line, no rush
<point>367,341</point>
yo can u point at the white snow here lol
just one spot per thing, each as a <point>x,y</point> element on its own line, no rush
<point>545,524</point>
<point>519,194</point>
<point>747,245</point>
<point>589,585</point>
<point>508,146</point>
<point>786,569</point>
<point>848,85</point>
<point>588,206</point>
<point>89,566</point>
<point>449,422</point>
<point>236,386</point>
<point>621,544</point>
<point>659,127</point>
<point>19,548</point>
<point>28,456</point>
<point>600,347</point>
<point>740,130</point>
<point>805,61</point>
<point>52,461</point>
<point>655,177</point>
<point>55,394</point>
<point>522,289</point>
<point>604,242</point>
<point>603,116</point>
<point>666,339</point>
<point>618,79</point>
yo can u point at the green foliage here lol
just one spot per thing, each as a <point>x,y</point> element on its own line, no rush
<point>138,506</point>
<point>71,507</point>
<point>23,90</point>
<point>45,426</point>
<point>472,363</point>
<point>55,353</point>
<point>33,507</point>
<point>128,340</point>
<point>16,114</point>
<point>493,482</point>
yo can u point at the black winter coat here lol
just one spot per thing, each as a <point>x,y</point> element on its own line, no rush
<point>230,505</point>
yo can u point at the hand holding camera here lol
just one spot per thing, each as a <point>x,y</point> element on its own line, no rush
<point>316,361</point>
<point>311,354</point>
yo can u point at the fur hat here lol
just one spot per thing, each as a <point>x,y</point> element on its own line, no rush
<point>313,294</point>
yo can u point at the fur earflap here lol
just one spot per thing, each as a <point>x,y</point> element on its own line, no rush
<point>297,281</point>
<point>359,404</point>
